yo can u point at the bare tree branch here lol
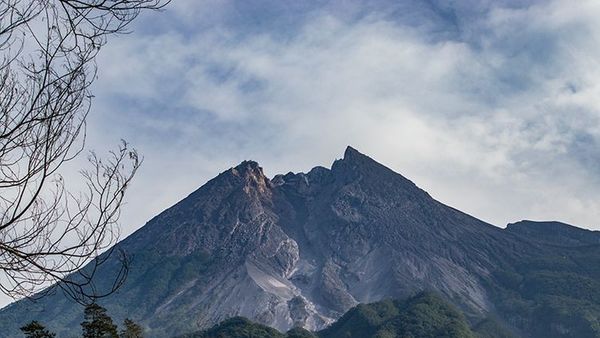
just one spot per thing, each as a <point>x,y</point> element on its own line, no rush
<point>48,233</point>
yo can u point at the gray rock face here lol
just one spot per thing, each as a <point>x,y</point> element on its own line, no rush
<point>297,250</point>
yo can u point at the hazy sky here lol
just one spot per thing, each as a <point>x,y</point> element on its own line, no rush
<point>493,107</point>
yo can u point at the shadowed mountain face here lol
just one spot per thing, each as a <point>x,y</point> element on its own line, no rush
<point>555,233</point>
<point>302,249</point>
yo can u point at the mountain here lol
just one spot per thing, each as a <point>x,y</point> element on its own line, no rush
<point>555,233</point>
<point>422,316</point>
<point>301,249</point>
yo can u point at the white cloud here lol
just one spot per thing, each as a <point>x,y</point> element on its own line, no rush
<point>502,122</point>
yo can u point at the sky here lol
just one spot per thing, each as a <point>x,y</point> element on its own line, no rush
<point>493,107</point>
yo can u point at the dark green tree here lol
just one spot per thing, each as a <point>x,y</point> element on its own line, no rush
<point>131,329</point>
<point>36,330</point>
<point>98,324</point>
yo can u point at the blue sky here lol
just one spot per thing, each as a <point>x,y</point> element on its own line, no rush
<point>491,106</point>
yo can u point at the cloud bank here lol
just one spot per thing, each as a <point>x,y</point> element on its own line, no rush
<point>492,107</point>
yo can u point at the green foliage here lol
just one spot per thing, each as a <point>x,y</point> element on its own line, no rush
<point>36,330</point>
<point>490,328</point>
<point>365,320</point>
<point>237,327</point>
<point>555,295</point>
<point>152,276</point>
<point>558,283</point>
<point>131,329</point>
<point>298,332</point>
<point>167,273</point>
<point>97,324</point>
<point>425,315</point>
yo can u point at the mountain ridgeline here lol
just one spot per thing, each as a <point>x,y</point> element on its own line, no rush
<point>300,250</point>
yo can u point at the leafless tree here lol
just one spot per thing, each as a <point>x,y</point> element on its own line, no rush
<point>48,232</point>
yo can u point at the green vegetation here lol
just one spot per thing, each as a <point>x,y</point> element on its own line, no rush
<point>299,333</point>
<point>553,296</point>
<point>489,328</point>
<point>425,315</point>
<point>97,324</point>
<point>237,327</point>
<point>36,330</point>
<point>131,329</point>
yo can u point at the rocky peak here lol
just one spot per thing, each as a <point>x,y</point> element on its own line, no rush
<point>251,175</point>
<point>355,158</point>
<point>356,167</point>
<point>351,153</point>
<point>247,167</point>
<point>355,164</point>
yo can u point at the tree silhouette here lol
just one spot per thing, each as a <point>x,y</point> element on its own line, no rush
<point>98,324</point>
<point>36,330</point>
<point>131,329</point>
